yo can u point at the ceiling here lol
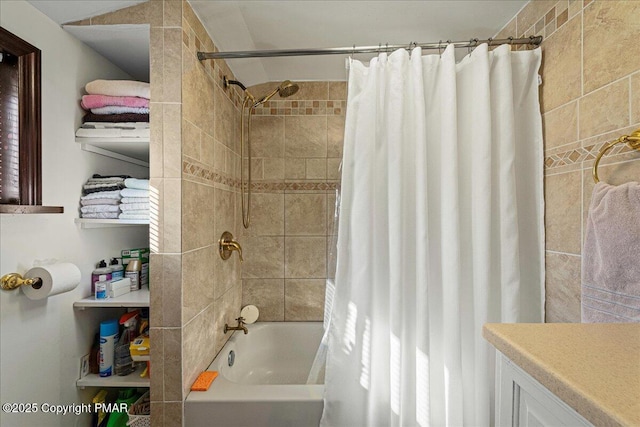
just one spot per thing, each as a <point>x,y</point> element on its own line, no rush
<point>285,24</point>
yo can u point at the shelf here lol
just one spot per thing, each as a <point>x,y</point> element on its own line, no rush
<point>131,380</point>
<point>101,223</point>
<point>132,150</point>
<point>132,299</point>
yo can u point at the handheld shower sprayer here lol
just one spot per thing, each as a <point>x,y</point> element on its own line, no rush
<point>284,90</point>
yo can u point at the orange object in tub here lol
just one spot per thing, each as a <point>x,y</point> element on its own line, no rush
<point>204,380</point>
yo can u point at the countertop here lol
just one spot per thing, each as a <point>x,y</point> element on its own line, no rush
<point>594,367</point>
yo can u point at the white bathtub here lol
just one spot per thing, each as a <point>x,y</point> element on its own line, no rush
<point>265,387</point>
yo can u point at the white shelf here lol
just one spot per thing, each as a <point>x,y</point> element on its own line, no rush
<point>131,380</point>
<point>100,223</point>
<point>132,150</point>
<point>138,298</point>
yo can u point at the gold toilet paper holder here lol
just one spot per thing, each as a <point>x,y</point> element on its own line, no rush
<point>12,281</point>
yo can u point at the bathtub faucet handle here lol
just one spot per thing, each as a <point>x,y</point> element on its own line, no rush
<point>240,326</point>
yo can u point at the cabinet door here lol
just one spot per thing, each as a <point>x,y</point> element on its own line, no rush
<point>524,402</point>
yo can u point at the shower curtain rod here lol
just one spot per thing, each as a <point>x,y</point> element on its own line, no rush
<point>532,40</point>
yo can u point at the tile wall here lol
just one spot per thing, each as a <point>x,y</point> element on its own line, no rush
<point>296,150</point>
<point>590,95</point>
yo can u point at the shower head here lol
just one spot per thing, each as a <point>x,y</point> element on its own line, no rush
<point>285,89</point>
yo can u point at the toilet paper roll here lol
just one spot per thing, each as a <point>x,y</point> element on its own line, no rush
<point>56,279</point>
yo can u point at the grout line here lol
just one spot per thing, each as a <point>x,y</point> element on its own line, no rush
<point>563,253</point>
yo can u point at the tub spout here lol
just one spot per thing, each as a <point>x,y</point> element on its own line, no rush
<point>240,326</point>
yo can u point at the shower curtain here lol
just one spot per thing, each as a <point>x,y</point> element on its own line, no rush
<point>440,230</point>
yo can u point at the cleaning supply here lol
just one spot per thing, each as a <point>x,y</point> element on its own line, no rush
<point>117,270</point>
<point>101,290</point>
<point>123,362</point>
<point>119,419</point>
<point>204,380</point>
<point>139,348</point>
<point>108,339</point>
<point>119,287</point>
<point>100,274</point>
<point>133,272</point>
<point>141,254</point>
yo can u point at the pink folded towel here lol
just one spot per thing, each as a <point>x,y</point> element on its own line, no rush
<point>119,88</point>
<point>610,268</point>
<point>97,101</point>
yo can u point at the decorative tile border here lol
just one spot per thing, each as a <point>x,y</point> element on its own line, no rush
<point>208,174</point>
<point>302,108</point>
<point>581,154</point>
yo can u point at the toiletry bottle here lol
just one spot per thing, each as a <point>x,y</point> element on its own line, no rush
<point>108,338</point>
<point>117,272</point>
<point>133,272</point>
<point>100,274</point>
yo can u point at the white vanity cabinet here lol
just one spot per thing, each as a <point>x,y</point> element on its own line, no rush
<point>521,401</point>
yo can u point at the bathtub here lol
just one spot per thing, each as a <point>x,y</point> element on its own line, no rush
<point>265,387</point>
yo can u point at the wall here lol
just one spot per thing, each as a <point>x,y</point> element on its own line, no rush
<point>296,147</point>
<point>41,342</point>
<point>590,95</point>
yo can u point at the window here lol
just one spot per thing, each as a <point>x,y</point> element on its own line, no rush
<point>20,127</point>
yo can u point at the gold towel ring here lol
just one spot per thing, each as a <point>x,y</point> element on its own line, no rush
<point>633,141</point>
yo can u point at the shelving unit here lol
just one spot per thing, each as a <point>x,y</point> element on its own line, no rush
<point>138,298</point>
<point>131,380</point>
<point>132,150</point>
<point>100,223</point>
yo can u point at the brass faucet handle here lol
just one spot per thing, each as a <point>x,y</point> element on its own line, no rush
<point>227,245</point>
<point>240,320</point>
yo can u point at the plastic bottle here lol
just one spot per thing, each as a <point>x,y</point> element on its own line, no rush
<point>108,339</point>
<point>100,274</point>
<point>123,362</point>
<point>133,272</point>
<point>117,272</point>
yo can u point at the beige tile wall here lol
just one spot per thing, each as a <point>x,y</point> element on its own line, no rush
<point>194,179</point>
<point>590,95</point>
<point>296,149</point>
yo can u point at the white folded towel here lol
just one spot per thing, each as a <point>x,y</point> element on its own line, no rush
<point>135,200</point>
<point>134,207</point>
<point>114,194</point>
<point>119,88</point>
<point>91,202</point>
<point>100,208</point>
<point>101,215</point>
<point>140,184</point>
<point>133,192</point>
<point>130,215</point>
<point>109,125</point>
<point>610,268</point>
<point>113,133</point>
<point>120,110</point>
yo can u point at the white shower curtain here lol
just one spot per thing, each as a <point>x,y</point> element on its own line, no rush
<point>441,230</point>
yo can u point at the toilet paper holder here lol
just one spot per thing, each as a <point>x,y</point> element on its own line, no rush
<point>12,281</point>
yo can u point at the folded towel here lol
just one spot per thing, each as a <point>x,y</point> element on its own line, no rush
<point>135,200</point>
<point>115,118</point>
<point>101,215</point>
<point>113,133</point>
<point>610,269</point>
<point>134,206</point>
<point>100,208</point>
<point>115,194</point>
<point>96,101</point>
<point>100,188</point>
<point>119,88</point>
<point>121,125</point>
<point>133,192</point>
<point>120,110</point>
<point>140,184</point>
<point>92,202</point>
<point>129,215</point>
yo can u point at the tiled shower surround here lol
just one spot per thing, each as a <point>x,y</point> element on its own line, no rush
<point>590,95</point>
<point>296,147</point>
